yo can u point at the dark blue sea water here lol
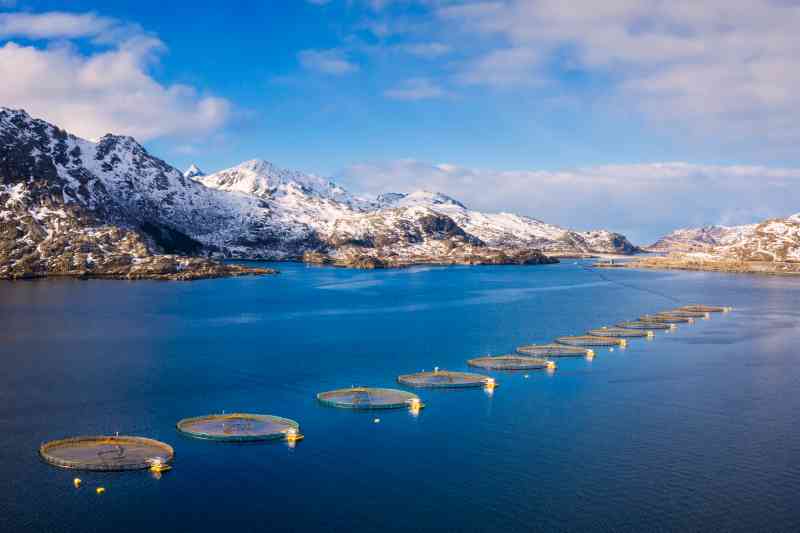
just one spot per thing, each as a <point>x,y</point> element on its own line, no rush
<point>697,430</point>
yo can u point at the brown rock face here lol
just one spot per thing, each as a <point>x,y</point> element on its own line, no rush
<point>42,237</point>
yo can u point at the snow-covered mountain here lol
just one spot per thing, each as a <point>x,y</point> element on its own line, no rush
<point>701,239</point>
<point>193,172</point>
<point>112,196</point>
<point>773,240</point>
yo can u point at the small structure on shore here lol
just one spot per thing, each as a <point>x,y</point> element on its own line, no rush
<point>512,362</point>
<point>370,398</point>
<point>591,340</point>
<point>107,453</point>
<point>240,427</point>
<point>554,350</point>
<point>445,379</point>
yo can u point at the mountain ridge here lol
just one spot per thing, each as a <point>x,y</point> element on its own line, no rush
<point>70,205</point>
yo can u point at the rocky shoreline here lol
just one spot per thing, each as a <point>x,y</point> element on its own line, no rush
<point>678,262</point>
<point>165,268</point>
<point>479,256</point>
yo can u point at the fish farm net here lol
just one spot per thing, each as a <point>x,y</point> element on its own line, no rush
<point>444,379</point>
<point>620,333</point>
<point>705,308</point>
<point>106,453</point>
<point>685,314</point>
<point>665,319</point>
<point>645,325</point>
<point>369,398</point>
<point>554,350</point>
<point>238,427</point>
<point>511,362</point>
<point>590,340</point>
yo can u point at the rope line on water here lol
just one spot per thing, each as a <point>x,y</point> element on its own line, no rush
<point>634,287</point>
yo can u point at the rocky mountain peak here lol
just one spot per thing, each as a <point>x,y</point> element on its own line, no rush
<point>193,171</point>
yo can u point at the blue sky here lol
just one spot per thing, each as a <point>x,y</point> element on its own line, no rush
<point>523,105</point>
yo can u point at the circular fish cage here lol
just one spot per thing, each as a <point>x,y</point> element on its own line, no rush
<point>444,379</point>
<point>511,362</point>
<point>685,314</point>
<point>240,427</point>
<point>705,308</point>
<point>620,333</point>
<point>591,340</point>
<point>554,350</point>
<point>665,319</point>
<point>106,453</point>
<point>370,398</point>
<point>645,325</point>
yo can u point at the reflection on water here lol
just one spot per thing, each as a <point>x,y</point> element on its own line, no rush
<point>694,430</point>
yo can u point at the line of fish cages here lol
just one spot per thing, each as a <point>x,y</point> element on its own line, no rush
<point>116,453</point>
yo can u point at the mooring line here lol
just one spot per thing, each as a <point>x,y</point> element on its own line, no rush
<point>634,287</point>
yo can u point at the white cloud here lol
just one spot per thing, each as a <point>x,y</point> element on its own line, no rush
<point>643,201</point>
<point>54,24</point>
<point>102,90</point>
<point>728,66</point>
<point>331,61</point>
<point>415,89</point>
<point>428,50</point>
<point>504,67</point>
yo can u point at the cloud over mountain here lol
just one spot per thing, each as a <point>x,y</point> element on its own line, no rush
<point>642,201</point>
<point>92,74</point>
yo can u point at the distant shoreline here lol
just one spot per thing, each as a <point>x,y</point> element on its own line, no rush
<point>769,268</point>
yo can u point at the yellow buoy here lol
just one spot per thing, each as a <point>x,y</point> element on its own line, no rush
<point>623,343</point>
<point>292,435</point>
<point>100,490</point>
<point>158,465</point>
<point>414,405</point>
<point>77,482</point>
<point>651,334</point>
<point>590,354</point>
<point>551,365</point>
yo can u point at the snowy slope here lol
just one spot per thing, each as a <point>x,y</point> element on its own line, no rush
<point>771,240</point>
<point>508,229</point>
<point>701,239</point>
<point>253,210</point>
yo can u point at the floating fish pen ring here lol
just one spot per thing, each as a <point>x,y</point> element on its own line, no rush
<point>554,350</point>
<point>637,324</point>
<point>620,333</point>
<point>107,453</point>
<point>683,313</point>
<point>665,319</point>
<point>445,379</point>
<point>240,427</point>
<point>705,308</point>
<point>591,340</point>
<point>511,362</point>
<point>370,398</point>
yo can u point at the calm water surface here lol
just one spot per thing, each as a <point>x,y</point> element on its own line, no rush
<point>696,430</point>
